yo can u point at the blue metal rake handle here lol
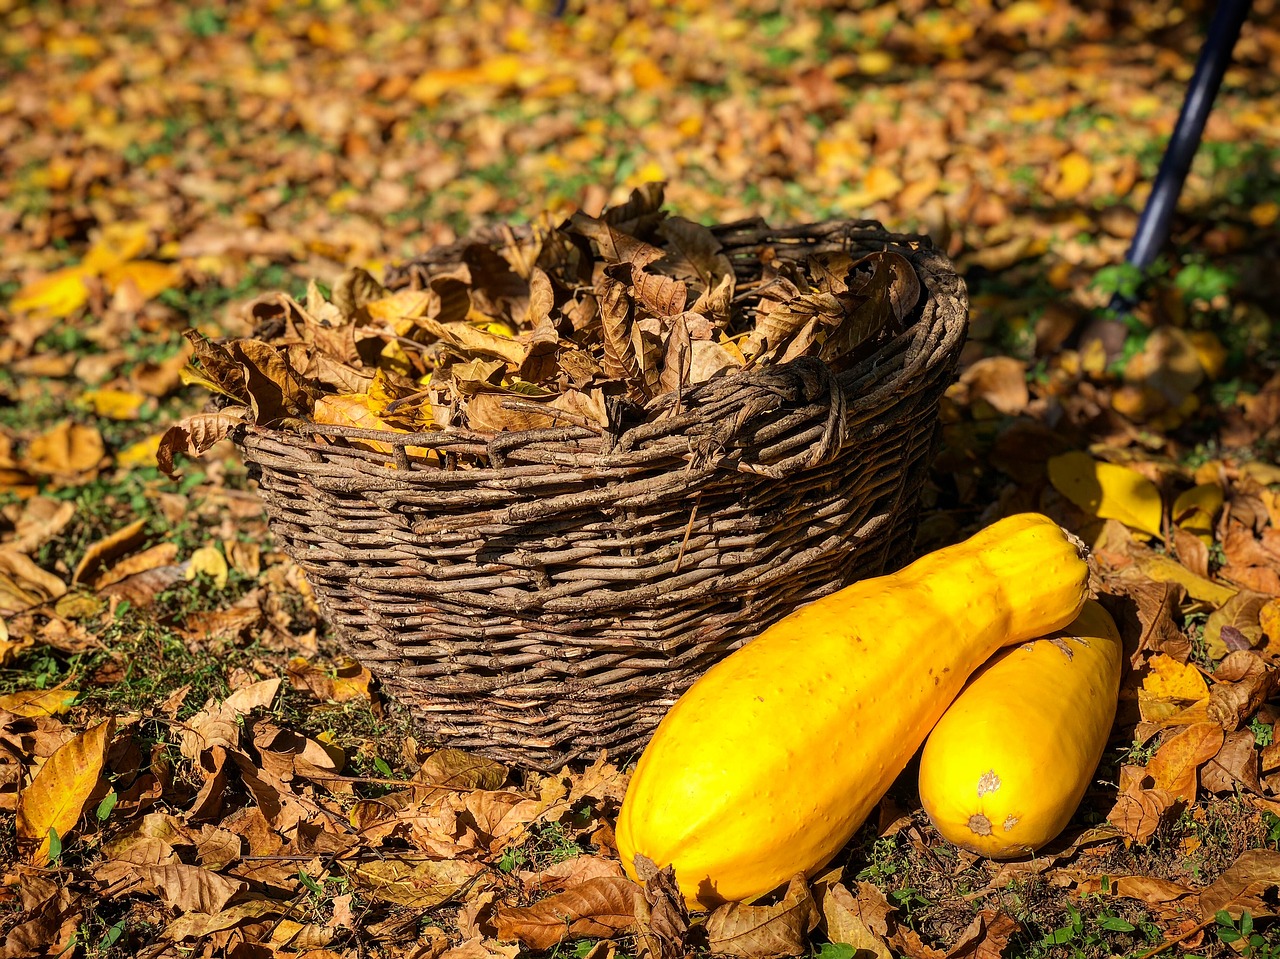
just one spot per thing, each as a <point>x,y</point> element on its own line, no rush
<point>1215,56</point>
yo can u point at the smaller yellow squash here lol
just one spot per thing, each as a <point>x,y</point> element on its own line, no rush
<point>1005,768</point>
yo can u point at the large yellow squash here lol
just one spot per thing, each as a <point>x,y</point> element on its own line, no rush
<point>1005,768</point>
<point>769,763</point>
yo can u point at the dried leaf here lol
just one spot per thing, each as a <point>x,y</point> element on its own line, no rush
<point>598,908</point>
<point>765,932</point>
<point>1191,551</point>
<point>1108,491</point>
<point>23,584</point>
<point>617,313</point>
<point>42,519</point>
<point>986,937</point>
<point>1138,814</point>
<point>460,770</point>
<point>197,434</point>
<point>1235,765</point>
<point>661,915</point>
<point>1000,381</point>
<point>1243,886</point>
<point>108,549</point>
<point>275,392</point>
<point>845,924</point>
<point>39,702</point>
<point>1234,700</point>
<point>68,452</point>
<point>1196,509</point>
<point>208,560</point>
<point>62,789</point>
<point>570,872</point>
<point>1174,765</point>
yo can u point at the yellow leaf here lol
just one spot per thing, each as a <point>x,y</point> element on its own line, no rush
<point>39,702</point>
<point>1265,214</point>
<point>141,453</point>
<point>1163,569</point>
<point>66,451</point>
<point>149,276</point>
<point>116,244</point>
<point>398,306</point>
<point>1175,682</point>
<point>1107,491</point>
<point>10,649</point>
<point>114,404</point>
<point>1209,351</point>
<point>209,560</point>
<point>1242,612</point>
<point>647,75</point>
<point>1075,173</point>
<point>362,411</point>
<point>59,294</point>
<point>874,63</point>
<point>1269,619</point>
<point>1196,509</point>
<point>63,787</point>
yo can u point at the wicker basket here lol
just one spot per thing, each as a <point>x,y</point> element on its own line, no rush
<point>559,599</point>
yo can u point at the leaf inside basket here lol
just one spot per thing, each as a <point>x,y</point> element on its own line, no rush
<point>560,325</point>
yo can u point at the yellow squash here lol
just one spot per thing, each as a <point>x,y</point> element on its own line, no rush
<point>1005,768</point>
<point>769,763</point>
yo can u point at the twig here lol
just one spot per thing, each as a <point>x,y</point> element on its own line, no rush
<point>1168,943</point>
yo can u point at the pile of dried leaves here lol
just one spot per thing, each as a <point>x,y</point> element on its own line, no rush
<point>587,323</point>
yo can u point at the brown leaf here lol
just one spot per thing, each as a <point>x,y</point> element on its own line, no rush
<point>1260,579</point>
<point>678,357</point>
<point>23,584</point>
<point>1137,814</point>
<point>570,872</point>
<point>1148,889</point>
<point>845,923</point>
<point>1243,885</point>
<point>662,918</point>
<point>217,368</point>
<point>641,212</point>
<point>41,520</point>
<point>1242,613</point>
<point>599,908</point>
<point>354,290</point>
<point>421,884</point>
<point>69,452</point>
<point>1235,765</point>
<point>1240,547</point>
<point>196,434</point>
<point>460,770</point>
<point>1191,551</point>
<point>162,554</point>
<point>1174,765</point>
<point>764,932</point>
<point>275,392</point>
<point>615,244</point>
<point>141,589</point>
<point>62,789</point>
<point>108,549</point>
<point>1246,682</point>
<point>1144,611</point>
<point>217,724</point>
<point>1000,382</point>
<point>617,313</point>
<point>986,937</point>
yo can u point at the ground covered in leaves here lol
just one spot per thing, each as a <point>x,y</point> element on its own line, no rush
<point>187,764</point>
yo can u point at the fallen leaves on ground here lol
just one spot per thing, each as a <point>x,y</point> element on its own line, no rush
<point>255,795</point>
